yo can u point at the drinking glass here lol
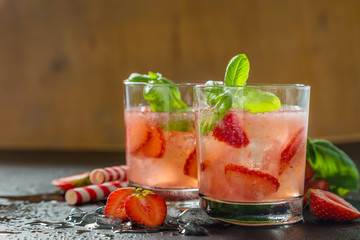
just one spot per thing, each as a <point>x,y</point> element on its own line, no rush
<point>160,145</point>
<point>252,165</point>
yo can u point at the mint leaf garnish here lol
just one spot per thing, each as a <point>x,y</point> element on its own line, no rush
<point>161,93</point>
<point>334,165</point>
<point>256,101</point>
<point>222,99</point>
<point>237,71</point>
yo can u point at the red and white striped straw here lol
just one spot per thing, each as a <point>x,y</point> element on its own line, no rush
<point>101,175</point>
<point>92,192</point>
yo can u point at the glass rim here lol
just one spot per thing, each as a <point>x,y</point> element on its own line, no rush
<point>164,84</point>
<point>258,85</point>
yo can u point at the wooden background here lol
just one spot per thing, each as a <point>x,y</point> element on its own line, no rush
<point>62,62</point>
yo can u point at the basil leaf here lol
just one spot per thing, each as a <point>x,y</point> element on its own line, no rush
<point>136,77</point>
<point>159,97</point>
<point>211,93</point>
<point>237,71</point>
<point>334,165</point>
<point>153,75</point>
<point>207,123</point>
<point>256,100</point>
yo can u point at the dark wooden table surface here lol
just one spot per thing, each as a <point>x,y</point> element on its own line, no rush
<point>26,195</point>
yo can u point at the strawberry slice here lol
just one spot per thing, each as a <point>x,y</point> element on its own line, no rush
<point>146,208</point>
<point>290,149</point>
<point>73,181</point>
<point>314,184</point>
<point>115,205</point>
<point>155,146</point>
<point>190,167</point>
<point>328,206</point>
<point>253,184</point>
<point>137,132</point>
<point>230,131</point>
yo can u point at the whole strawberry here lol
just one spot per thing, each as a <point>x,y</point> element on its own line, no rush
<point>328,206</point>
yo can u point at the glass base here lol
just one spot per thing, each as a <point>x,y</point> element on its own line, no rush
<point>175,197</point>
<point>254,214</point>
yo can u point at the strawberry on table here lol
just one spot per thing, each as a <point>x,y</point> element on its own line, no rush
<point>146,208</point>
<point>253,184</point>
<point>314,184</point>
<point>230,131</point>
<point>155,146</point>
<point>190,167</point>
<point>137,132</point>
<point>328,206</point>
<point>115,205</point>
<point>291,147</point>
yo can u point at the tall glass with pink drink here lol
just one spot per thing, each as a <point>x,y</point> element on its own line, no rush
<point>160,138</point>
<point>251,151</point>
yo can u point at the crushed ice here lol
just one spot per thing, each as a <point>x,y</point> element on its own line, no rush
<point>191,222</point>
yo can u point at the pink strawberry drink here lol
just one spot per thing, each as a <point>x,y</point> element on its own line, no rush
<point>157,157</point>
<point>160,138</point>
<point>252,151</point>
<point>254,157</point>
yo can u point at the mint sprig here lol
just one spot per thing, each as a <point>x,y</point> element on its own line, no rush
<point>162,98</point>
<point>222,99</point>
<point>334,165</point>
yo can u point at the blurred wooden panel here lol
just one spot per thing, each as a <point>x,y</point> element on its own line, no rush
<point>62,62</point>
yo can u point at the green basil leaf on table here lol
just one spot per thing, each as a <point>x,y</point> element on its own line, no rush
<point>334,165</point>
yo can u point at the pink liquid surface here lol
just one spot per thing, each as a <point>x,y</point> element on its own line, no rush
<point>166,171</point>
<point>269,134</point>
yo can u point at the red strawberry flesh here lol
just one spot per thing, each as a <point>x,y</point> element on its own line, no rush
<point>190,167</point>
<point>291,148</point>
<point>146,208</point>
<point>155,146</point>
<point>115,205</point>
<point>230,131</point>
<point>315,184</point>
<point>137,132</point>
<point>253,184</point>
<point>328,206</point>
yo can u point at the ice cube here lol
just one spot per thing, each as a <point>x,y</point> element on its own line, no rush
<point>173,212</point>
<point>75,216</point>
<point>89,218</point>
<point>192,229</point>
<point>100,210</point>
<point>108,221</point>
<point>195,215</point>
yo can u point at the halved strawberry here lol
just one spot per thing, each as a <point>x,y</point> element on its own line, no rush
<point>191,167</point>
<point>115,205</point>
<point>230,131</point>
<point>290,149</point>
<point>73,181</point>
<point>155,146</point>
<point>137,132</point>
<point>146,208</point>
<point>253,184</point>
<point>329,206</point>
<point>314,184</point>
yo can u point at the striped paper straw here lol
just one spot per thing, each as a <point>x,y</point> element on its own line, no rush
<point>101,175</point>
<point>92,192</point>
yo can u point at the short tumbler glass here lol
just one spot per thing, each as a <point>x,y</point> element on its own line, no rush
<point>252,165</point>
<point>160,145</point>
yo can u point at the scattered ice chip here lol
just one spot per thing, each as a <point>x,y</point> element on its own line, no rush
<point>195,215</point>
<point>192,229</point>
<point>108,221</point>
<point>100,210</point>
<point>89,218</point>
<point>132,228</point>
<point>173,212</point>
<point>75,216</point>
